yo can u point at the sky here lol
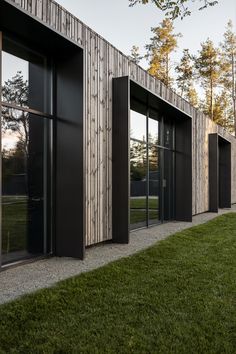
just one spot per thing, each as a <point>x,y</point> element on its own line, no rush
<point>124,27</point>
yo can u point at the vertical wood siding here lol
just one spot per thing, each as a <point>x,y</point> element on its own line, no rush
<point>102,63</point>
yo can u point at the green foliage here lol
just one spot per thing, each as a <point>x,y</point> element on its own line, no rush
<point>162,44</point>
<point>214,68</point>
<point>222,112</point>
<point>228,64</point>
<point>135,55</point>
<point>175,8</point>
<point>185,78</point>
<point>209,71</point>
<point>176,297</point>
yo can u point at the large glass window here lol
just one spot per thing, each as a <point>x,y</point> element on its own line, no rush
<point>25,77</point>
<point>138,170</point>
<point>151,166</point>
<point>25,152</point>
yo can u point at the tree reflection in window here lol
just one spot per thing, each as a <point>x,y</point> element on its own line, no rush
<point>15,157</point>
<point>15,123</point>
<point>137,161</point>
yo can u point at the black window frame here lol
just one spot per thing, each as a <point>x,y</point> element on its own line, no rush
<point>163,120</point>
<point>48,213</point>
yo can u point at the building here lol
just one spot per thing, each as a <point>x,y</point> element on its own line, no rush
<point>92,145</point>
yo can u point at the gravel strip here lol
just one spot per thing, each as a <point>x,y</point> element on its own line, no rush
<point>28,278</point>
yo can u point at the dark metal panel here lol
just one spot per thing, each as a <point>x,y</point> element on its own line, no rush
<point>120,160</point>
<point>155,101</point>
<point>224,173</point>
<point>14,19</point>
<point>183,170</point>
<point>69,231</point>
<point>213,172</point>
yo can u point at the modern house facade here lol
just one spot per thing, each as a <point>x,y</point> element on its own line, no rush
<point>92,146</point>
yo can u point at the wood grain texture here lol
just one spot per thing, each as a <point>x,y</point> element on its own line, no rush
<point>103,62</point>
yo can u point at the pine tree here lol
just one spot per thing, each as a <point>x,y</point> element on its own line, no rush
<point>135,55</point>
<point>162,44</point>
<point>185,78</point>
<point>222,111</point>
<point>228,58</point>
<point>209,71</point>
<point>192,96</point>
<point>185,73</point>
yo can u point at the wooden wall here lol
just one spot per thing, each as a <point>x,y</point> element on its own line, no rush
<point>102,63</point>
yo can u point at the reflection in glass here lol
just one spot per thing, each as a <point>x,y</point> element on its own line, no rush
<point>153,131</point>
<point>138,184</point>
<point>152,180</point>
<point>24,77</point>
<point>24,152</point>
<point>138,126</point>
<point>15,80</point>
<point>154,185</point>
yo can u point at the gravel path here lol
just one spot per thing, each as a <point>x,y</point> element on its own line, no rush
<point>28,278</point>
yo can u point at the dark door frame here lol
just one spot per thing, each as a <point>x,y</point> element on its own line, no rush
<point>219,172</point>
<point>121,155</point>
<point>68,224</point>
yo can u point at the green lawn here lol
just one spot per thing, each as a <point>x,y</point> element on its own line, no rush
<point>137,212</point>
<point>14,226</point>
<point>140,203</point>
<point>176,297</point>
<point>137,216</point>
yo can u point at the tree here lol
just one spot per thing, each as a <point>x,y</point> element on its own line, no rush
<point>16,91</point>
<point>192,96</point>
<point>162,44</point>
<point>222,111</point>
<point>135,55</point>
<point>175,8</point>
<point>137,161</point>
<point>185,78</point>
<point>185,72</point>
<point>228,58</point>
<point>209,71</point>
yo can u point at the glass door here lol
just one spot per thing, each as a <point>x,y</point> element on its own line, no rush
<point>154,168</point>
<point>25,152</point>
<point>138,170</point>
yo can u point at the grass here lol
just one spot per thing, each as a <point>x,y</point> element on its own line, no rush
<point>137,216</point>
<point>14,226</point>
<point>140,203</point>
<point>137,212</point>
<point>176,297</point>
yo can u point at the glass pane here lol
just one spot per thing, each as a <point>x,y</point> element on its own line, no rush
<point>24,78</point>
<point>154,197</point>
<point>153,131</point>
<point>24,158</point>
<point>138,184</point>
<point>138,126</point>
